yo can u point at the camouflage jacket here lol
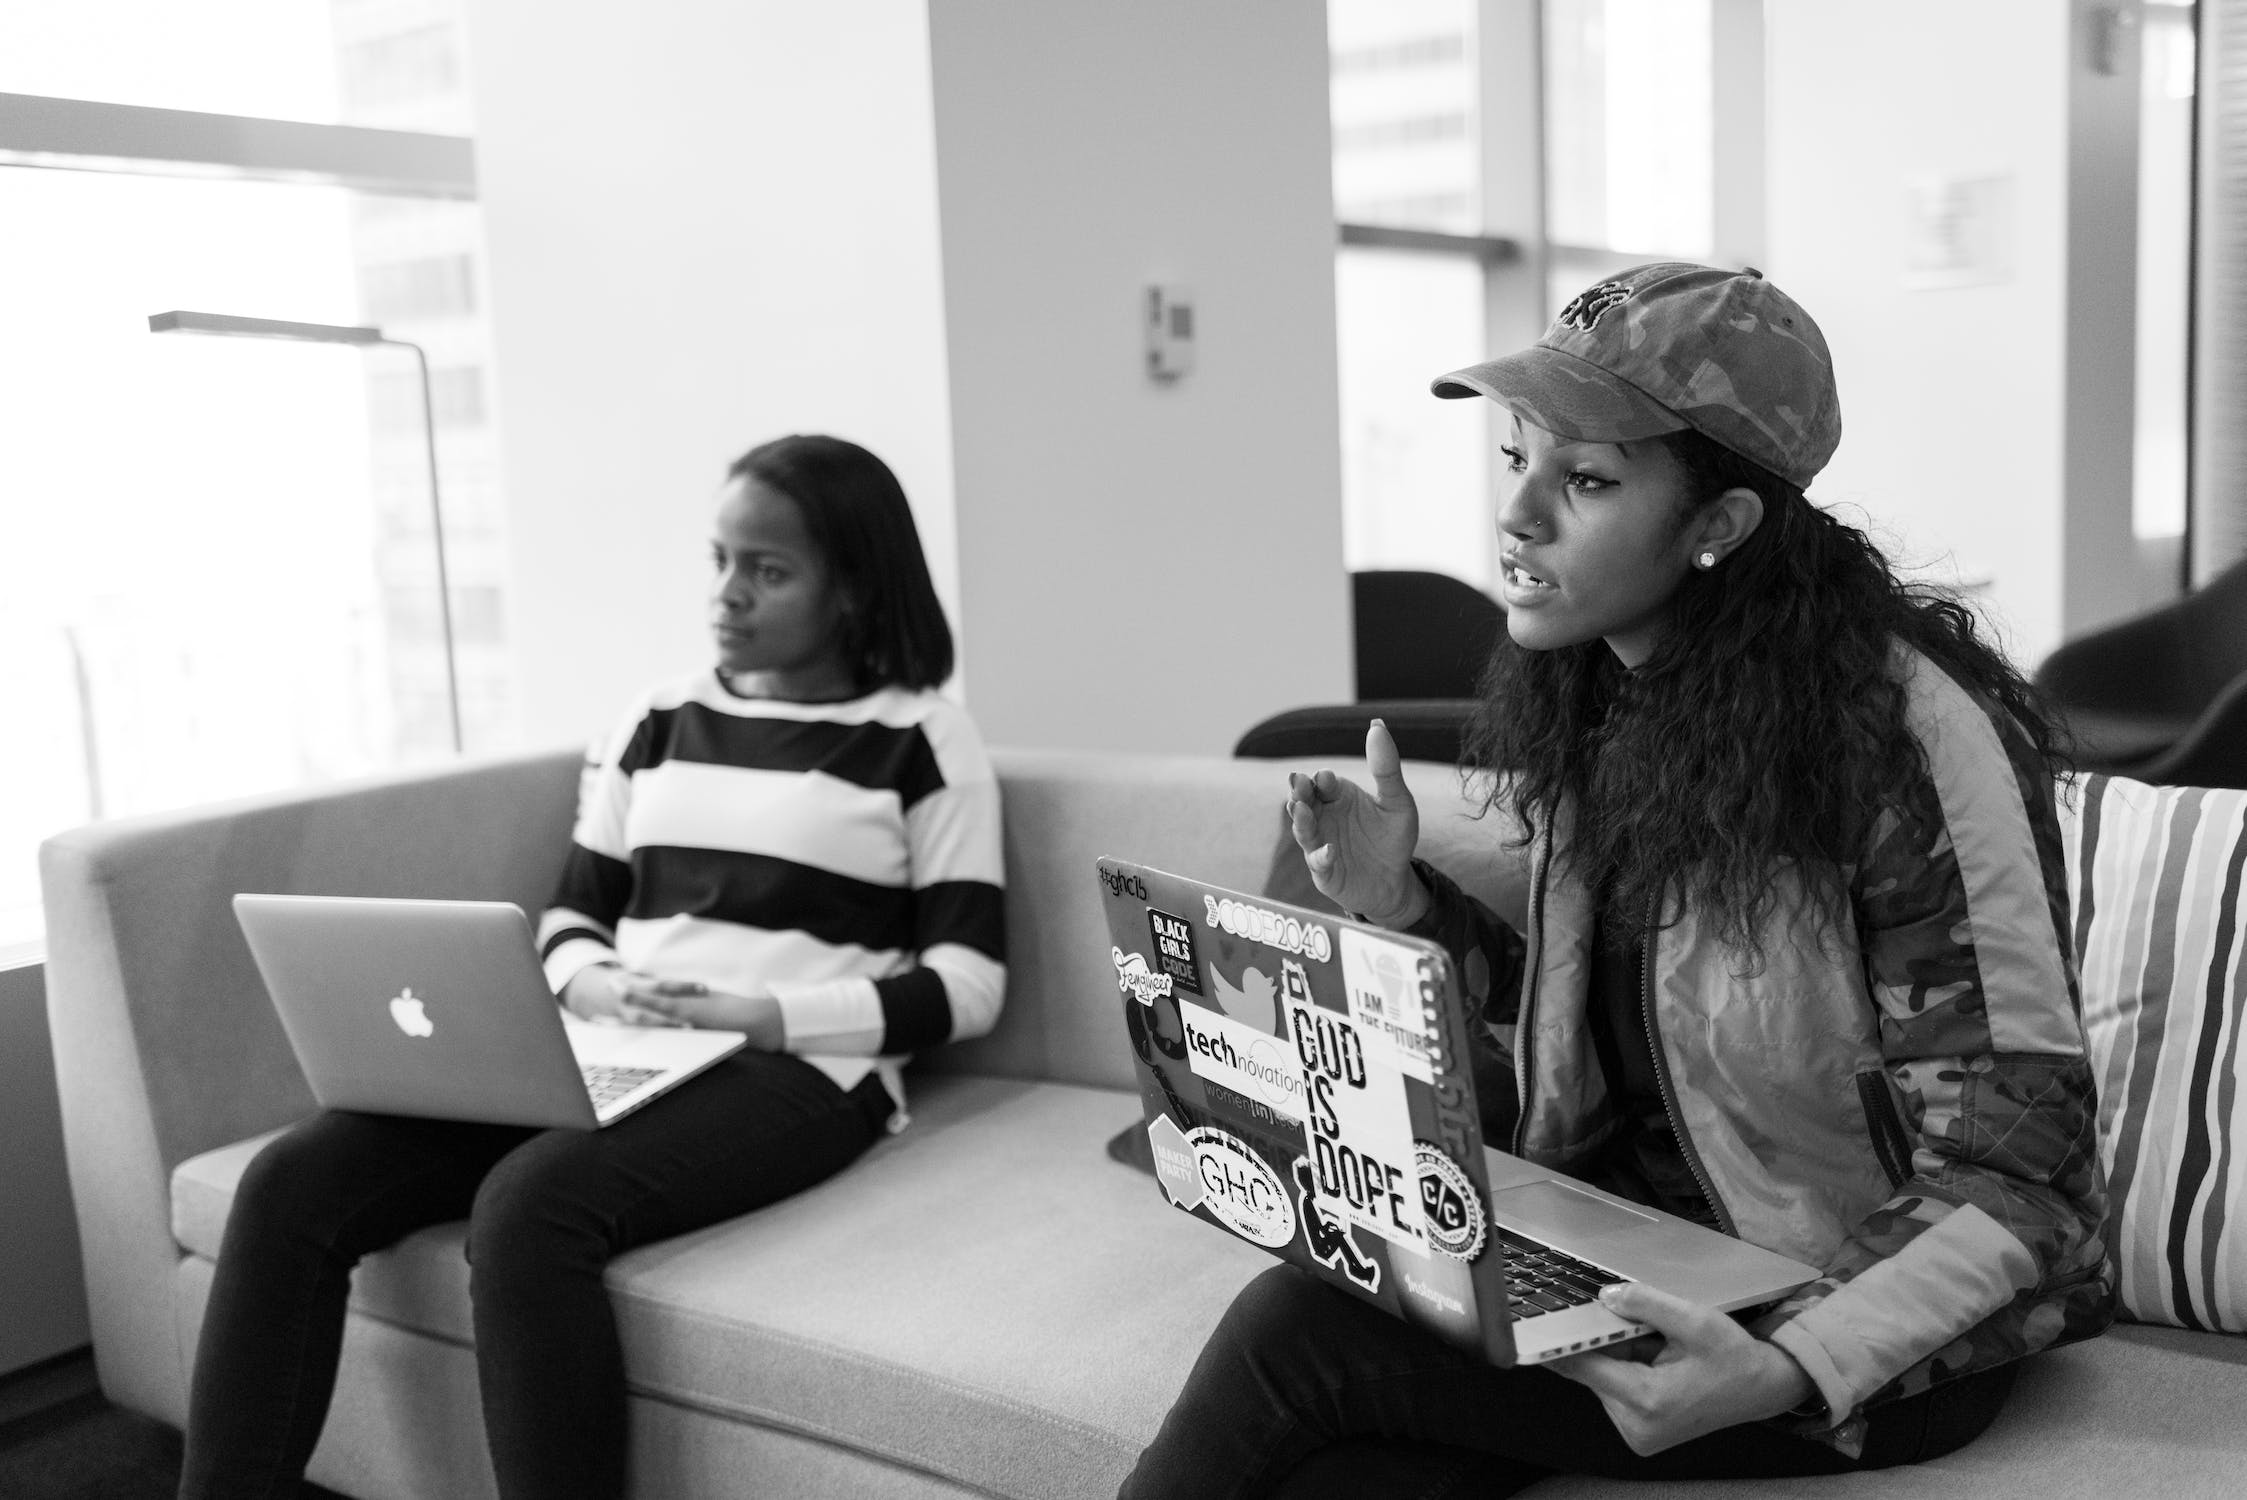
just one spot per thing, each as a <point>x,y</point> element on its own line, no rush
<point>1905,1104</point>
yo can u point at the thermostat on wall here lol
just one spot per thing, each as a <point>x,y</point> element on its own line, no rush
<point>1170,331</point>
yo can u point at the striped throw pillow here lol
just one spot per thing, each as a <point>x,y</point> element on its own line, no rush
<point>2155,876</point>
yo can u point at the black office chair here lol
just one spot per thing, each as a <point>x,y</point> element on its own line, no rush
<point>1422,639</point>
<point>1421,635</point>
<point>1424,729</point>
<point>2161,697</point>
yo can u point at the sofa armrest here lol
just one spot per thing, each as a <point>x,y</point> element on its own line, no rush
<point>165,1043</point>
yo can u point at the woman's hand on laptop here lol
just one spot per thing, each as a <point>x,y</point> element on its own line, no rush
<point>604,994</point>
<point>1358,844</point>
<point>1709,1373</point>
<point>689,1002</point>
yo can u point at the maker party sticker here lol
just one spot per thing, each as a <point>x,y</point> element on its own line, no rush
<point>1174,1162</point>
<point>1239,1190</point>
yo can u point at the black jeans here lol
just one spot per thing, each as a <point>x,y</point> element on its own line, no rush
<point>1308,1393</point>
<point>547,1210</point>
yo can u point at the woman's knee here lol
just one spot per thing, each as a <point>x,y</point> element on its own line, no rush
<point>1282,1314</point>
<point>277,1174</point>
<point>1280,1295</point>
<point>300,1177</point>
<point>531,1205</point>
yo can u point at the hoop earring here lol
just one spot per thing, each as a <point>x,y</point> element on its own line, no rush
<point>1706,560</point>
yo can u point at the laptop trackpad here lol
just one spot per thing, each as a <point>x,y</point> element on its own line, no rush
<point>1560,1211</point>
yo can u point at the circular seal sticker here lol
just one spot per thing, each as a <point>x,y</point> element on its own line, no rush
<point>1241,1192</point>
<point>1449,1204</point>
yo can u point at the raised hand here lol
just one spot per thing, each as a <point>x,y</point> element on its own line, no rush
<point>1358,843</point>
<point>1709,1372</point>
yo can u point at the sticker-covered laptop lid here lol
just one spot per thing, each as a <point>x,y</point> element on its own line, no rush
<point>1302,1093</point>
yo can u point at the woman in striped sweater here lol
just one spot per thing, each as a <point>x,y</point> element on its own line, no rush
<point>800,844</point>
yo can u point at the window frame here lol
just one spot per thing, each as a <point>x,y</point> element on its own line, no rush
<point>44,132</point>
<point>1515,255</point>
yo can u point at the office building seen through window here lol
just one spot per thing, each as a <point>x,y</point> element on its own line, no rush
<point>237,583</point>
<point>1443,248</point>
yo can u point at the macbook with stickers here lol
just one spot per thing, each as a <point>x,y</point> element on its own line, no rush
<point>1306,1088</point>
<point>440,1009</point>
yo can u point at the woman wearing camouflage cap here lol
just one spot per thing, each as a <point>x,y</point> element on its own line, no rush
<point>1798,964</point>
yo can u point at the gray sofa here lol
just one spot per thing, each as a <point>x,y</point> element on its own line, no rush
<point>986,1305</point>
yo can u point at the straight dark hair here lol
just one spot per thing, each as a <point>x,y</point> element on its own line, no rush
<point>895,633</point>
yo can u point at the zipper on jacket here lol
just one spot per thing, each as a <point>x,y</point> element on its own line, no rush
<point>1888,1139</point>
<point>1524,1019</point>
<point>1662,1079</point>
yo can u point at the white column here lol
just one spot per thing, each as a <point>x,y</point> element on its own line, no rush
<point>1144,565</point>
<point>708,225</point>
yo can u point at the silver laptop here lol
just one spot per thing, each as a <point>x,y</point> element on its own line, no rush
<point>440,1009</point>
<point>1306,1088</point>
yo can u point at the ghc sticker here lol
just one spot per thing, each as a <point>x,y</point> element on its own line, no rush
<point>1134,980</point>
<point>1243,1193</point>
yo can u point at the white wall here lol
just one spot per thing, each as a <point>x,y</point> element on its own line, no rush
<point>1956,402</point>
<point>709,224</point>
<point>713,223</point>
<point>1142,566</point>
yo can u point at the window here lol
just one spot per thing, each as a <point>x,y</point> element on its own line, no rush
<point>385,70</point>
<point>1404,106</point>
<point>224,576</point>
<point>1629,137</point>
<point>1472,207</point>
<point>1406,156</point>
<point>479,614</point>
<point>274,59</point>
<point>415,291</point>
<point>456,399</point>
<point>2165,124</point>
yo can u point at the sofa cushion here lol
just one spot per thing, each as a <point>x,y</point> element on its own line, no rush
<point>984,1297</point>
<point>2155,875</point>
<point>2136,1411</point>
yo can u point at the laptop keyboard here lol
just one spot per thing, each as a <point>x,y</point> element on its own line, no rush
<point>606,1082</point>
<point>1540,1279</point>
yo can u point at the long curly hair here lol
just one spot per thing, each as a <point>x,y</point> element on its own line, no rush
<point>1767,727</point>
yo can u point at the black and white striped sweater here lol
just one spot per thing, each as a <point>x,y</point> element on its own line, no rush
<point>845,856</point>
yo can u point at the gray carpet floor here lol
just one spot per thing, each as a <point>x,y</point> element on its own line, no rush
<point>60,1440</point>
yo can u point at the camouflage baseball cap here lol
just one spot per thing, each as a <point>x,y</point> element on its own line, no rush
<point>1660,348</point>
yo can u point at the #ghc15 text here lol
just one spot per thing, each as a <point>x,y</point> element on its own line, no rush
<point>1122,884</point>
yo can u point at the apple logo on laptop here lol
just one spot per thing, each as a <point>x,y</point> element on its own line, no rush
<point>412,1017</point>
